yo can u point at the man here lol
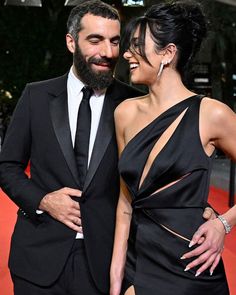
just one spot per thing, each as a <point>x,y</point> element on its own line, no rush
<point>52,252</point>
<point>43,131</point>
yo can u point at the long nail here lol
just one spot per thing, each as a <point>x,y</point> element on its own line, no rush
<point>187,268</point>
<point>211,272</point>
<point>191,244</point>
<point>197,274</point>
<point>183,257</point>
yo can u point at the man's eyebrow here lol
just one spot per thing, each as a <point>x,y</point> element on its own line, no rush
<point>100,37</point>
<point>96,36</point>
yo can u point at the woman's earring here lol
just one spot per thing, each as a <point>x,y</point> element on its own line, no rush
<point>161,69</point>
<point>163,63</point>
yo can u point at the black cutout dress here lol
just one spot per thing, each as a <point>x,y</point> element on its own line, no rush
<point>153,263</point>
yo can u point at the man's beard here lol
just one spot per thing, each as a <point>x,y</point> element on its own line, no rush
<point>96,80</point>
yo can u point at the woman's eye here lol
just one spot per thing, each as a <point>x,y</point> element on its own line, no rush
<point>136,47</point>
<point>136,44</point>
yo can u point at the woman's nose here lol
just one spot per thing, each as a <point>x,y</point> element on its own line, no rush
<point>127,54</point>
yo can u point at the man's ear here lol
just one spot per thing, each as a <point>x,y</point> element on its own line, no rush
<point>70,43</point>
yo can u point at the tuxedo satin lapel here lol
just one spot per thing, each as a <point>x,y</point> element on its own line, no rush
<point>103,138</point>
<point>60,119</point>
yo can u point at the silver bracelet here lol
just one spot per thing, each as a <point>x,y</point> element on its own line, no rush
<point>225,223</point>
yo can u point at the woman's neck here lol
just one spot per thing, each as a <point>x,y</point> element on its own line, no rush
<point>168,90</point>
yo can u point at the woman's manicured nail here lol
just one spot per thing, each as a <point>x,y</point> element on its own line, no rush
<point>191,244</point>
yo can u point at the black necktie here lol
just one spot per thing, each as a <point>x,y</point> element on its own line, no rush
<point>82,136</point>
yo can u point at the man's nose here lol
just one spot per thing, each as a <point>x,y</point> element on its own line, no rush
<point>107,51</point>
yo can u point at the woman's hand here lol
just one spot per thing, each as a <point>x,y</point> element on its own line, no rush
<point>210,238</point>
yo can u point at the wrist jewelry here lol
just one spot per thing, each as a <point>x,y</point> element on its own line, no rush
<point>225,223</point>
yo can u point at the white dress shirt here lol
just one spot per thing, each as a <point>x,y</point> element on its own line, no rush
<point>75,94</point>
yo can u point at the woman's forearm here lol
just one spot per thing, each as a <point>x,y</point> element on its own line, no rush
<point>123,218</point>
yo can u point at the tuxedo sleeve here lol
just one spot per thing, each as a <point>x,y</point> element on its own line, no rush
<point>14,159</point>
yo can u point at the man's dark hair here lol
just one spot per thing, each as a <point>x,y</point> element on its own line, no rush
<point>94,7</point>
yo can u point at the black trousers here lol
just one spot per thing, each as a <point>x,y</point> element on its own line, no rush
<point>75,278</point>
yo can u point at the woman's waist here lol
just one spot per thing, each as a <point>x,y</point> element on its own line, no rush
<point>181,221</point>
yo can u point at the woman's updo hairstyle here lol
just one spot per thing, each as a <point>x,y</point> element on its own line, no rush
<point>179,22</point>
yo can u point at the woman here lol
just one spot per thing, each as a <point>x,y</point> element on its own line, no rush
<point>166,142</point>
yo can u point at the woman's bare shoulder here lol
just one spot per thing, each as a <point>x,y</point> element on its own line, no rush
<point>215,110</point>
<point>127,109</point>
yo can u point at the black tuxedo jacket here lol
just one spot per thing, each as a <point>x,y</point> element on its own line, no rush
<point>40,132</point>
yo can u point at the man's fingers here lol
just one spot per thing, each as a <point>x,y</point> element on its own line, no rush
<point>76,205</point>
<point>75,212</point>
<point>71,192</point>
<point>209,213</point>
<point>74,227</point>
<point>76,221</point>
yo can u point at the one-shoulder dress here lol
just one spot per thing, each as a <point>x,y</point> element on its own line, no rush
<point>168,206</point>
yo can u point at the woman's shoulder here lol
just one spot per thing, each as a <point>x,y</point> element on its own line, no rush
<point>215,111</point>
<point>128,107</point>
<point>214,106</point>
<point>126,112</point>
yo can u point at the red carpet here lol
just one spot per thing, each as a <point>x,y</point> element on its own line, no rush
<point>218,200</point>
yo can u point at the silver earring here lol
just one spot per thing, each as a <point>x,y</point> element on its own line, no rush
<point>163,63</point>
<point>160,69</point>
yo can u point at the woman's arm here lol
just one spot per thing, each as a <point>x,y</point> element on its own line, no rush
<point>218,130</point>
<point>123,216</point>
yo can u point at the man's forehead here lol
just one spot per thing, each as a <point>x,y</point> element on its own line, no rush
<point>93,24</point>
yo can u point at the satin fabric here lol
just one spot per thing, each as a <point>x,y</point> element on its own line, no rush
<point>153,263</point>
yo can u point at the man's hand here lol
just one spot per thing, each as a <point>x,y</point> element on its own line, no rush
<point>210,237</point>
<point>209,213</point>
<point>61,207</point>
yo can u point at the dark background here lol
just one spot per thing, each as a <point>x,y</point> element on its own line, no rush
<point>32,48</point>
